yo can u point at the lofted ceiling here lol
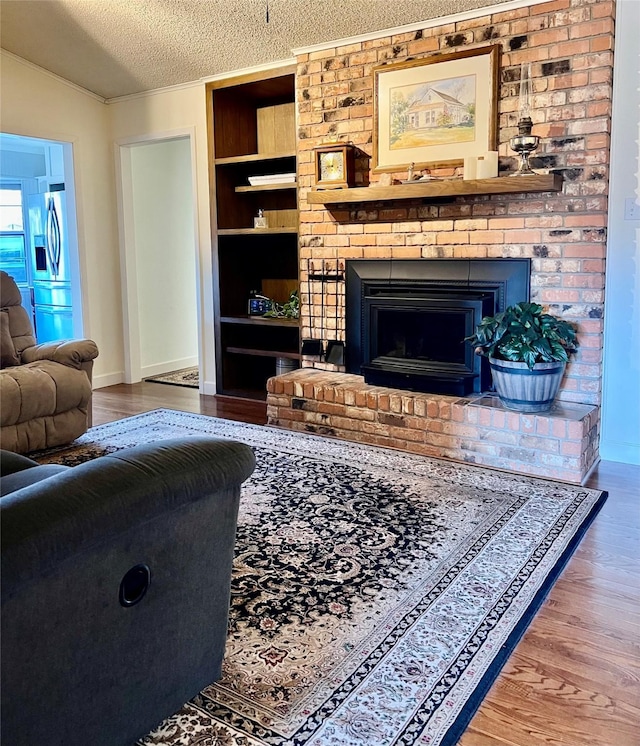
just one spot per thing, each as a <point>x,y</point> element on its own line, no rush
<point>119,47</point>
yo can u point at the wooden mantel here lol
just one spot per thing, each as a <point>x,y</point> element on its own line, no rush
<point>436,189</point>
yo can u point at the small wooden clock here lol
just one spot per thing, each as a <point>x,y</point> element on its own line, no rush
<point>335,166</point>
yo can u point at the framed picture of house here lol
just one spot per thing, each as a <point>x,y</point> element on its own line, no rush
<point>436,111</point>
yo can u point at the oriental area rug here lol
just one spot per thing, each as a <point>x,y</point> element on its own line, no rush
<point>189,377</point>
<point>375,595</point>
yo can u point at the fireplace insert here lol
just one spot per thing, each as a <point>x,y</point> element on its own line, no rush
<point>406,319</point>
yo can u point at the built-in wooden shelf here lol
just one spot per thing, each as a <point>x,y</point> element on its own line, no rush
<point>267,187</point>
<point>259,320</point>
<point>251,123</point>
<point>254,158</point>
<point>263,353</point>
<point>255,231</point>
<point>436,189</point>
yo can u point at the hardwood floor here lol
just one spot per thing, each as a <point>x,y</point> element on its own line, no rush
<point>574,678</point>
<point>124,400</point>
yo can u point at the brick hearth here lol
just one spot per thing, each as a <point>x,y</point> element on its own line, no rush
<point>560,444</point>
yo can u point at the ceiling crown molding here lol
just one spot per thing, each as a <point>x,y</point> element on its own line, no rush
<point>265,67</point>
<point>466,15</point>
<point>53,76</point>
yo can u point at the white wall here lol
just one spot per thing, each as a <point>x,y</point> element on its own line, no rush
<point>165,256</point>
<point>158,115</point>
<point>620,424</point>
<point>36,104</point>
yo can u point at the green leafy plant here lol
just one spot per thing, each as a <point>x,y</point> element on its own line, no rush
<point>524,333</point>
<point>288,310</point>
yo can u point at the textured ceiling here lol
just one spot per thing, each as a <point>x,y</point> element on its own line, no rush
<point>119,47</point>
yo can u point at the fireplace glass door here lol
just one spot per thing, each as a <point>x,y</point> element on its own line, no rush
<point>417,341</point>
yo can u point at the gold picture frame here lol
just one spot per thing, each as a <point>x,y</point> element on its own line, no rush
<point>437,110</point>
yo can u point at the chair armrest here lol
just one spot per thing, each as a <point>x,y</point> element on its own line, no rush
<point>72,352</point>
<point>62,516</point>
<point>11,463</point>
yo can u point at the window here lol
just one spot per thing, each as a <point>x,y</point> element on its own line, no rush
<point>11,215</point>
<point>13,258</point>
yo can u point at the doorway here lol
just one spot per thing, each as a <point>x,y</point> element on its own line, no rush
<point>159,256</point>
<point>38,233</point>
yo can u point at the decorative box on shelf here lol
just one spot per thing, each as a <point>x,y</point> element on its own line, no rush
<point>288,178</point>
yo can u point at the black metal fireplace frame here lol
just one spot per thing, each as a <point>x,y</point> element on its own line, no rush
<point>506,280</point>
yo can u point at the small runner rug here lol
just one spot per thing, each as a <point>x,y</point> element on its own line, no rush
<point>376,594</point>
<point>189,377</point>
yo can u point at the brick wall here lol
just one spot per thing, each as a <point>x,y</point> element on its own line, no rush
<point>570,46</point>
<point>561,444</point>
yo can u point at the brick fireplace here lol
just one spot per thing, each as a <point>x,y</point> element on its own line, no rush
<point>569,44</point>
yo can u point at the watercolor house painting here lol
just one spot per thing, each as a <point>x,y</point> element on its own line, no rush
<point>435,113</point>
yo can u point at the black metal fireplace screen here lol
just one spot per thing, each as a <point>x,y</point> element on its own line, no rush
<point>406,319</point>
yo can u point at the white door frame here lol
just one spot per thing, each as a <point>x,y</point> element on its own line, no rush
<point>77,258</point>
<point>126,232</point>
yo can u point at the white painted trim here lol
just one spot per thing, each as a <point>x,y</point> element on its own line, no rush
<point>124,193</point>
<point>168,367</point>
<point>625,453</point>
<point>154,92</point>
<point>49,74</point>
<point>208,388</point>
<point>204,274</point>
<point>107,379</point>
<point>265,67</point>
<point>466,15</point>
<point>128,272</point>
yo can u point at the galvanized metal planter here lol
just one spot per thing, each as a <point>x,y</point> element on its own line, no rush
<point>526,390</point>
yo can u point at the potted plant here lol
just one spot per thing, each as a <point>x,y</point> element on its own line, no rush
<point>288,310</point>
<point>528,351</point>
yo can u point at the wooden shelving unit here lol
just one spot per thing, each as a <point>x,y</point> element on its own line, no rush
<point>264,353</point>
<point>252,133</point>
<point>266,187</point>
<point>259,321</point>
<point>255,231</point>
<point>254,158</point>
<point>437,189</point>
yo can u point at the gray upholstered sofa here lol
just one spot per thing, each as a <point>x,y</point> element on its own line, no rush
<point>45,389</point>
<point>93,654</point>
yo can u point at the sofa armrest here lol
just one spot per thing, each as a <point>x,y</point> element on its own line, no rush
<point>62,516</point>
<point>72,352</point>
<point>11,463</point>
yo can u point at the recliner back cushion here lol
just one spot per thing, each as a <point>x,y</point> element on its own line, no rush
<point>8,355</point>
<point>19,322</point>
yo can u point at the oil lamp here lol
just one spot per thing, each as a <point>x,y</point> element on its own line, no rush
<point>524,143</point>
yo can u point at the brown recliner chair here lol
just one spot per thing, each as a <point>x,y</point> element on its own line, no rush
<point>45,389</point>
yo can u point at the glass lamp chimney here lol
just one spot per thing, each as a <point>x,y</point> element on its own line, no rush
<point>524,143</point>
<point>525,91</point>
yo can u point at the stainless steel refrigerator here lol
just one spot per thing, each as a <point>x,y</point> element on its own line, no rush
<point>50,270</point>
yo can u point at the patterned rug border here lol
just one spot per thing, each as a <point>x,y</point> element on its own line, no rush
<point>178,378</point>
<point>464,475</point>
<point>484,685</point>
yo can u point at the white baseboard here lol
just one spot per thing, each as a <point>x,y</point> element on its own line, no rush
<point>169,366</point>
<point>625,453</point>
<point>208,388</point>
<point>111,379</point>
<point>108,379</point>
